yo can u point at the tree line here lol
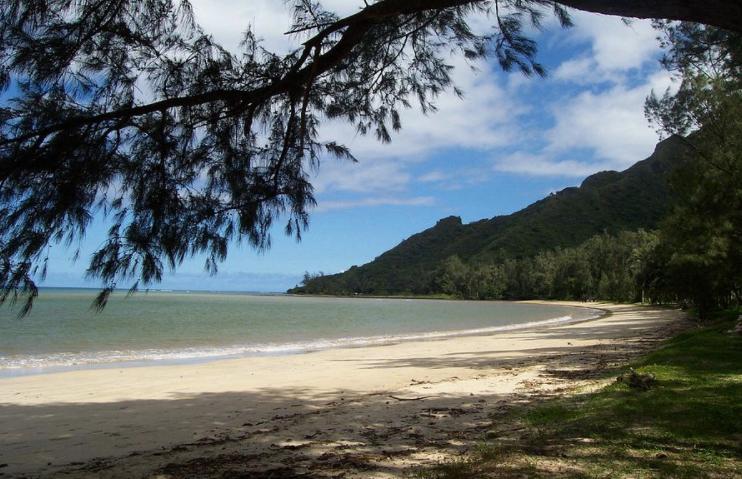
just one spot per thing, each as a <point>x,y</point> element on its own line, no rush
<point>616,268</point>
<point>629,267</point>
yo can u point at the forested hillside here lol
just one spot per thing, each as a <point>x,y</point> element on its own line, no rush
<point>607,202</point>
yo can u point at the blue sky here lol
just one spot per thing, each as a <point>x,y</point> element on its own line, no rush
<point>508,143</point>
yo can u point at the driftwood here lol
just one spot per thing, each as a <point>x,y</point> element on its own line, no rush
<point>410,399</point>
<point>636,380</point>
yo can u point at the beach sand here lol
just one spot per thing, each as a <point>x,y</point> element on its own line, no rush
<point>360,412</point>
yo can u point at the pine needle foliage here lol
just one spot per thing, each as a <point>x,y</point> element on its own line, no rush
<point>129,109</point>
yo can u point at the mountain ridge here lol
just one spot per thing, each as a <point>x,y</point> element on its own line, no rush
<point>607,201</point>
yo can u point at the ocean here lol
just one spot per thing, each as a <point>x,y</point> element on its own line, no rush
<point>158,327</point>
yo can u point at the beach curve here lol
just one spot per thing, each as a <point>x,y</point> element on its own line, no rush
<point>297,408</point>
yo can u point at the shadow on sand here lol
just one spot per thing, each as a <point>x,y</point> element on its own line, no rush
<point>300,432</point>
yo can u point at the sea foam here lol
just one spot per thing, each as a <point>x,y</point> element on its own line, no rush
<point>38,363</point>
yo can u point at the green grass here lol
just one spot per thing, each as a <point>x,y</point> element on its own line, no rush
<point>689,425</point>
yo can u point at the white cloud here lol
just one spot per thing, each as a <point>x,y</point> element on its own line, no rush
<point>614,44</point>
<point>433,177</point>
<point>484,118</point>
<point>329,205</point>
<point>378,175</point>
<point>584,71</point>
<point>227,20</point>
<point>608,126</point>
<point>608,123</point>
<point>605,121</point>
<point>574,69</point>
<point>541,165</point>
<point>456,178</point>
<point>611,123</point>
<point>615,48</point>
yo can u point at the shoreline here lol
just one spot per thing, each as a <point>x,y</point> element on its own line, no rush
<point>309,346</point>
<point>394,405</point>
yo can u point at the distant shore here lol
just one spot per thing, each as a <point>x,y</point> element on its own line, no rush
<point>392,406</point>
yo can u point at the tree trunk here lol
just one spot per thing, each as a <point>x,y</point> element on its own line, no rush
<point>725,14</point>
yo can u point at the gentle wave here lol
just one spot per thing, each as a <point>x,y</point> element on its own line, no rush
<point>71,360</point>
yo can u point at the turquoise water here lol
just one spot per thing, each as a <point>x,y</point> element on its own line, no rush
<point>63,332</point>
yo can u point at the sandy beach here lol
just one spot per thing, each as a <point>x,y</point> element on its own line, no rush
<point>360,412</point>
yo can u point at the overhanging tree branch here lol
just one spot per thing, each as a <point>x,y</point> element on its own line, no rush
<point>726,14</point>
<point>719,13</point>
<point>224,144</point>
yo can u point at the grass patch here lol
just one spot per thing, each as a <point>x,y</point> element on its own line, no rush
<point>688,425</point>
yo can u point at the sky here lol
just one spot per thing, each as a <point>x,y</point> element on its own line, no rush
<point>511,141</point>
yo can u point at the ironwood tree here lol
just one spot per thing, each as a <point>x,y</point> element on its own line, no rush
<point>700,239</point>
<point>128,108</point>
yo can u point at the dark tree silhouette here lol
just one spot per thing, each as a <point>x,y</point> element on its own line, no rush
<point>127,107</point>
<point>701,238</point>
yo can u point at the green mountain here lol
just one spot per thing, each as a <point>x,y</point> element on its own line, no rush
<point>608,201</point>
